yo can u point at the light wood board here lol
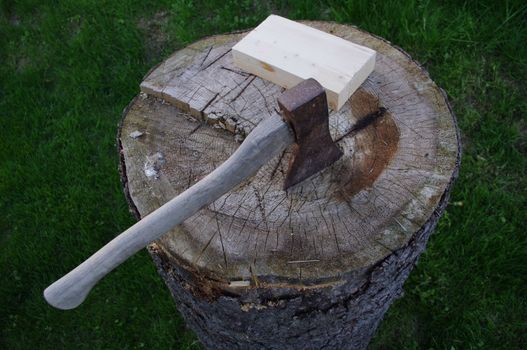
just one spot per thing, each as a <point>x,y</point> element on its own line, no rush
<point>286,52</point>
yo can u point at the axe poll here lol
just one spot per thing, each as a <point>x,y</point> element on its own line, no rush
<point>305,111</point>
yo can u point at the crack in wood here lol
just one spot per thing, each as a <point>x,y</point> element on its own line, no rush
<point>217,59</point>
<point>244,88</point>
<point>277,165</point>
<point>244,74</point>
<point>206,56</point>
<point>364,122</point>
<point>209,103</point>
<point>195,129</point>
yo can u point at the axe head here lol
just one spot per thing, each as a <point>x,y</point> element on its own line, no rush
<point>305,108</point>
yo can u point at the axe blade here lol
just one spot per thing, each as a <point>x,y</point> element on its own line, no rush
<point>305,109</point>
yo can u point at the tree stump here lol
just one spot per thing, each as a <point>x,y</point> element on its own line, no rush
<point>313,267</point>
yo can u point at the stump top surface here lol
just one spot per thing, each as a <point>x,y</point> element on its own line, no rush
<point>196,107</point>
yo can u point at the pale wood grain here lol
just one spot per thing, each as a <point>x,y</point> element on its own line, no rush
<point>286,52</point>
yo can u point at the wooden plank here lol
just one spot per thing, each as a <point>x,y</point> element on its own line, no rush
<point>286,52</point>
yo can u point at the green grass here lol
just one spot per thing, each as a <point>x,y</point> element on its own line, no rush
<point>67,70</point>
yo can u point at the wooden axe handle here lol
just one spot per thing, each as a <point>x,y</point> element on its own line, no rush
<point>267,140</point>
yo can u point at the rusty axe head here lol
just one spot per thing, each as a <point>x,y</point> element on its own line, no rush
<point>305,108</point>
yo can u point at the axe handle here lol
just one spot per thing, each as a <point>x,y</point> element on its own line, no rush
<point>267,140</point>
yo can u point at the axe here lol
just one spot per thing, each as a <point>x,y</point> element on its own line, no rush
<point>305,123</point>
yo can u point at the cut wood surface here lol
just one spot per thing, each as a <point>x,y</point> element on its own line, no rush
<point>286,52</point>
<point>333,250</point>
